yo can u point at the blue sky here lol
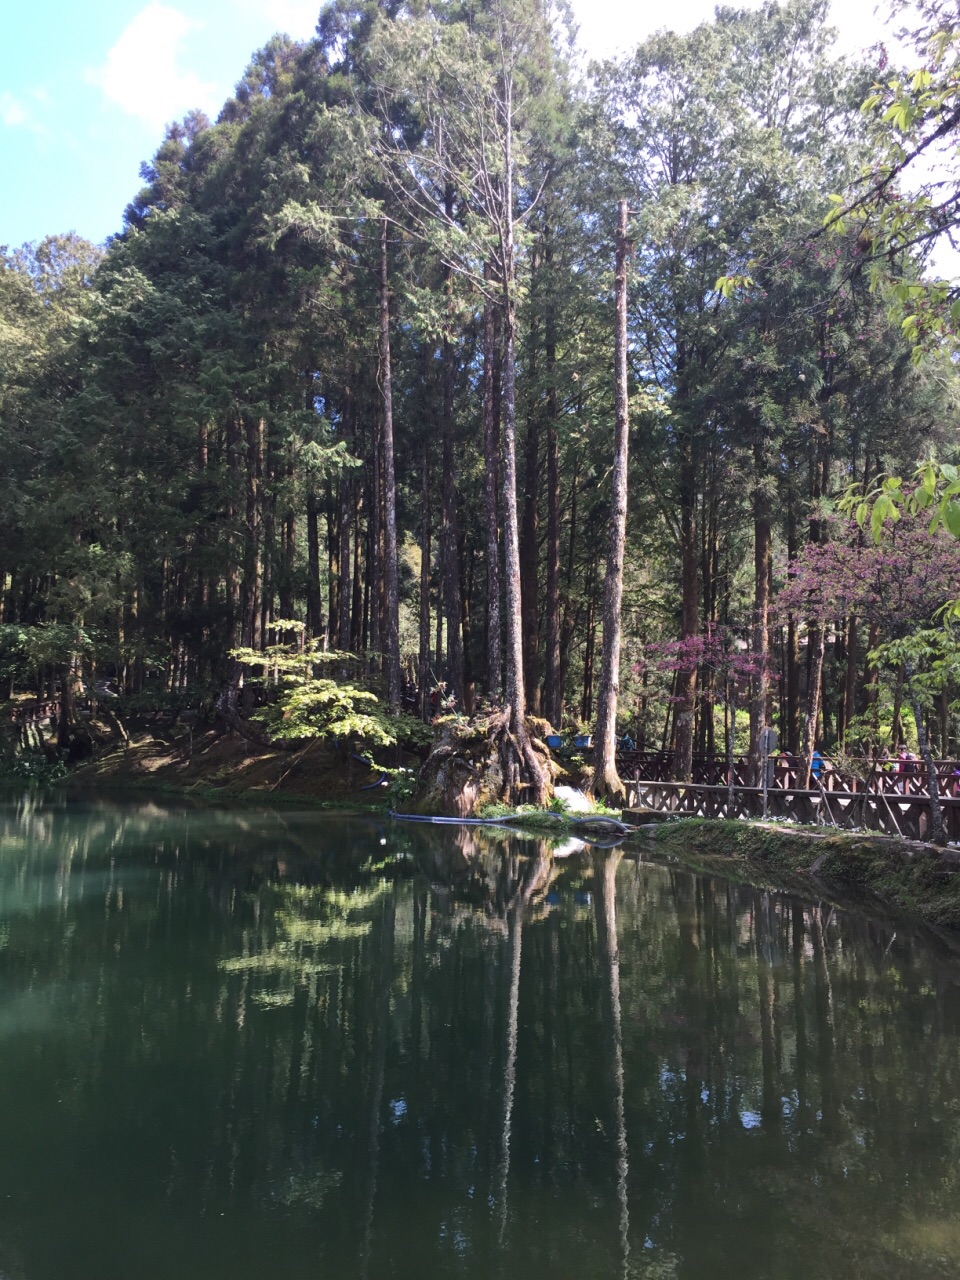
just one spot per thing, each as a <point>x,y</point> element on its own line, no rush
<point>85,89</point>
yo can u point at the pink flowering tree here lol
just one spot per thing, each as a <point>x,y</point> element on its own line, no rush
<point>896,586</point>
<point>719,651</point>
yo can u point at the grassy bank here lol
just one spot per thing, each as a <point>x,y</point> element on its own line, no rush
<point>872,871</point>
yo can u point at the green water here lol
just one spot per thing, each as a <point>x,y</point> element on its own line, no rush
<point>246,1044</point>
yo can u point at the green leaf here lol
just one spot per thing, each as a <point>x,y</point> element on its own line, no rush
<point>951,517</point>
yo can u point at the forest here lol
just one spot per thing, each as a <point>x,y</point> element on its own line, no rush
<point>445,379</point>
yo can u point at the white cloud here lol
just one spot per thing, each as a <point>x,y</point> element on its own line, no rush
<point>12,112</point>
<point>15,115</point>
<point>142,74</point>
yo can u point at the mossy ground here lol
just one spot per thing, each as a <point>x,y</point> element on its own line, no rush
<point>221,766</point>
<point>871,870</point>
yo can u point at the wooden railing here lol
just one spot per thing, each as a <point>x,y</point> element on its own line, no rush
<point>870,776</point>
<point>892,813</point>
<point>32,712</point>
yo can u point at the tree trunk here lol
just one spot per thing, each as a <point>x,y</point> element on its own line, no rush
<point>938,832</point>
<point>590,644</point>
<point>356,636</point>
<point>343,600</point>
<point>423,663</point>
<point>606,780</point>
<point>375,558</point>
<point>253,559</point>
<point>314,597</point>
<point>288,542</point>
<point>817,643</point>
<point>850,681</point>
<point>491,470</point>
<point>232,574</point>
<point>553,688</point>
<point>516,699</point>
<point>686,690</point>
<point>896,727</point>
<point>391,580</point>
<point>450,566</point>
<point>333,542</point>
<point>466,602</point>
<point>793,650</point>
<point>762,558</point>
<point>529,584</point>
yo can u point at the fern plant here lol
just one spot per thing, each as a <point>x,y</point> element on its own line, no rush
<point>302,703</point>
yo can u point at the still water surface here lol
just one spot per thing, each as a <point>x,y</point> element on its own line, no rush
<point>245,1044</point>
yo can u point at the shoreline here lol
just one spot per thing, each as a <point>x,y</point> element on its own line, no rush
<point>876,873</point>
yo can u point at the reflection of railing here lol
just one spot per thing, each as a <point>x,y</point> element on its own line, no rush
<point>893,777</point>
<point>892,813</point>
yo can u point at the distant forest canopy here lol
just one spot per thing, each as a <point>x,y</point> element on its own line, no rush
<point>350,364</point>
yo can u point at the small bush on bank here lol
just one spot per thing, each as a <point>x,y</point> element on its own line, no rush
<point>32,769</point>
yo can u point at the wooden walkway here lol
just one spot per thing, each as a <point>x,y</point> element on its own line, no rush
<point>893,814</point>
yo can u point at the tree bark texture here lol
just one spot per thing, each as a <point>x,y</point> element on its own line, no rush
<point>516,699</point>
<point>491,475</point>
<point>606,780</point>
<point>391,580</point>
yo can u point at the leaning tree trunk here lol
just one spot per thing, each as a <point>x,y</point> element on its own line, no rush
<point>606,780</point>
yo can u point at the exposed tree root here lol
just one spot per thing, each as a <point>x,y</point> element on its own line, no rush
<point>481,761</point>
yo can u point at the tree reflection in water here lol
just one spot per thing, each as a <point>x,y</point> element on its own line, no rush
<point>321,1045</point>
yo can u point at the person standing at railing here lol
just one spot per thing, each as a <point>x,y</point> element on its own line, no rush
<point>891,771</point>
<point>781,771</point>
<point>906,767</point>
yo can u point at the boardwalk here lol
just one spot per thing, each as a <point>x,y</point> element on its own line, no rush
<point>865,776</point>
<point>891,813</point>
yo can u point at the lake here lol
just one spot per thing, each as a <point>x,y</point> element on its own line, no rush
<point>238,1043</point>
